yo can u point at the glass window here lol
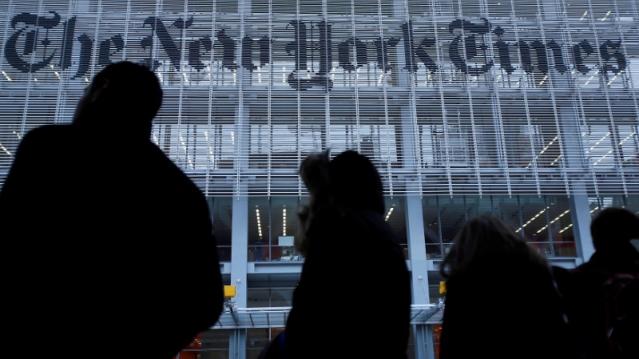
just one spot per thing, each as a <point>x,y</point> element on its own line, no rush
<point>560,227</point>
<point>432,228</point>
<point>454,214</point>
<point>545,222</point>
<point>212,344</point>
<point>258,339</point>
<point>221,210</point>
<point>259,230</point>
<point>508,210</point>
<point>629,145</point>
<point>396,218</point>
<point>600,147</point>
<point>273,226</point>
<point>630,202</point>
<point>547,225</point>
<point>270,297</point>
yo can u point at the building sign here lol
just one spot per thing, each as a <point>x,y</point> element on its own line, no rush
<point>469,50</point>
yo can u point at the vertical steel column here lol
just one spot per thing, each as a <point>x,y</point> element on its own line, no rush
<point>239,231</point>
<point>414,212</point>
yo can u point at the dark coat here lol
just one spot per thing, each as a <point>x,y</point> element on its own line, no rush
<point>506,306</point>
<point>108,248</point>
<point>353,297</point>
<point>587,294</point>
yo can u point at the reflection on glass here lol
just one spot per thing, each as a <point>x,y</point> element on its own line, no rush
<point>432,228</point>
<point>603,143</point>
<point>632,203</point>
<point>545,222</point>
<point>598,203</point>
<point>394,215</point>
<point>221,209</point>
<point>258,339</point>
<point>273,226</point>
<point>212,344</point>
<point>270,297</point>
<point>547,225</point>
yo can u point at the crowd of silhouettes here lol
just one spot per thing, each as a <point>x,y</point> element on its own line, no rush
<point>107,235</point>
<point>504,301</point>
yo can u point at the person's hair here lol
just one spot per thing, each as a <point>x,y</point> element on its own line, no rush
<point>314,173</point>
<point>355,183</point>
<point>613,228</point>
<point>482,239</point>
<point>348,182</point>
<point>122,91</point>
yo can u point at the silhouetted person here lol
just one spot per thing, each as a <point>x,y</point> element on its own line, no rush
<point>602,295</point>
<point>500,300</point>
<point>353,297</point>
<point>111,245</point>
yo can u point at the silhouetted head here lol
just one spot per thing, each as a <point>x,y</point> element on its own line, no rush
<point>355,183</point>
<point>481,240</point>
<point>613,229</point>
<point>314,173</point>
<point>349,182</point>
<point>123,97</point>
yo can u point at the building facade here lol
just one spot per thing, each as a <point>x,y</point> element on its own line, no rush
<point>526,109</point>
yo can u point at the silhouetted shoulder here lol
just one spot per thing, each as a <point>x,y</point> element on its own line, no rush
<point>32,157</point>
<point>37,138</point>
<point>162,162</point>
<point>47,132</point>
<point>372,232</point>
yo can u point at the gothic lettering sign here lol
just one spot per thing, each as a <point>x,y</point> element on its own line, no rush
<point>469,50</point>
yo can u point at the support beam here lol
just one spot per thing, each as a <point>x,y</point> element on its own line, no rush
<point>239,250</point>
<point>424,348</point>
<point>580,212</point>
<point>239,234</point>
<point>578,200</point>
<point>417,249</point>
<point>414,211</point>
<point>237,344</point>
